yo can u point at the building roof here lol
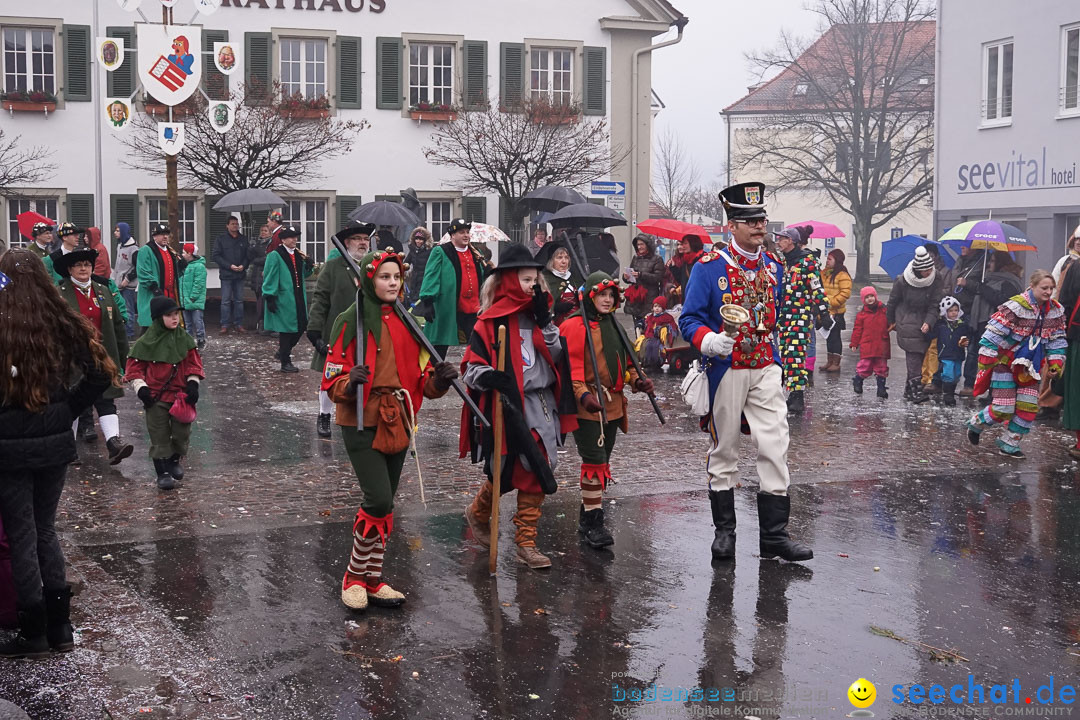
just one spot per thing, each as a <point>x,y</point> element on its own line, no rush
<point>826,64</point>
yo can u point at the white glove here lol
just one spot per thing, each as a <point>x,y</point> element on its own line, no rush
<point>717,344</point>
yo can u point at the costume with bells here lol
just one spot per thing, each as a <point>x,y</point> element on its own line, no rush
<point>396,376</point>
<point>1020,339</point>
<point>537,409</point>
<point>744,379</point>
<point>615,371</point>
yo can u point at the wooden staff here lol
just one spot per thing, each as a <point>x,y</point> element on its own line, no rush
<point>496,452</point>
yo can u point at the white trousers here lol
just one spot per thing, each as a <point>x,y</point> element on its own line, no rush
<point>326,405</point>
<point>759,395</point>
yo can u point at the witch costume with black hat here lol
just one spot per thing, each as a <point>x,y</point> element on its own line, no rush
<point>537,408</point>
<point>163,365</point>
<point>595,436</point>
<point>396,375</point>
<point>743,368</point>
<point>334,291</point>
<point>94,301</point>
<point>157,268</point>
<point>285,296</point>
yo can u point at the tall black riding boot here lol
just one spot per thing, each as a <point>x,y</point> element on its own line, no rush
<point>31,641</point>
<point>58,619</point>
<point>723,518</point>
<point>773,512</point>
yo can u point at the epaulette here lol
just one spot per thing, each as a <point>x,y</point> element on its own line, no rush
<point>772,257</point>
<point>709,256</point>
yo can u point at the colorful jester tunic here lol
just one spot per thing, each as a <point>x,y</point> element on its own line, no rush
<point>804,299</point>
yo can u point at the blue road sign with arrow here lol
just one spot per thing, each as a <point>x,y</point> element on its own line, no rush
<point>608,187</point>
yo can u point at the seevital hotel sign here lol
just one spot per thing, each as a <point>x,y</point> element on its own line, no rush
<point>355,6</point>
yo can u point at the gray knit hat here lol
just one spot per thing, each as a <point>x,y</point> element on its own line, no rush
<point>922,260</point>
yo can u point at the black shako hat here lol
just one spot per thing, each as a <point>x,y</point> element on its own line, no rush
<point>516,256</point>
<point>159,229</point>
<point>745,201</point>
<point>161,306</point>
<point>62,265</point>
<point>354,229</point>
<point>69,229</point>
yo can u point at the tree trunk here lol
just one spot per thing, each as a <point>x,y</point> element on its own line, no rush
<point>862,247</point>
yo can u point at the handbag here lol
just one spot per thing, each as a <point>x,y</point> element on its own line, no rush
<point>695,389</point>
<point>181,409</point>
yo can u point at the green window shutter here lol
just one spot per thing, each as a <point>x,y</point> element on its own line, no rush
<point>388,73</point>
<point>348,72</point>
<point>121,81</point>
<point>594,100</point>
<point>77,54</point>
<point>345,205</point>
<point>511,74</point>
<point>258,73</point>
<point>80,209</point>
<point>475,95</point>
<point>215,82</point>
<point>123,208</point>
<point>215,225</point>
<point>474,209</point>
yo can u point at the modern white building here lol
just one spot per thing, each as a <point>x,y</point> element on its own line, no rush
<point>1008,120</point>
<point>372,60</point>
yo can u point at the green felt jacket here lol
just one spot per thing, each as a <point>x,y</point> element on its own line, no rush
<point>150,272</point>
<point>288,316</point>
<point>334,292</point>
<point>193,285</point>
<point>107,282</point>
<point>440,288</point>
<point>113,331</point>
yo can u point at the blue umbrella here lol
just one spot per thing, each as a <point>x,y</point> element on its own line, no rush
<point>896,254</point>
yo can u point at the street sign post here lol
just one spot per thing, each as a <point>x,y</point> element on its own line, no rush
<point>608,187</point>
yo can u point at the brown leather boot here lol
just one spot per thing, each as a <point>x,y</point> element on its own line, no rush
<point>834,363</point>
<point>478,516</point>
<point>532,557</point>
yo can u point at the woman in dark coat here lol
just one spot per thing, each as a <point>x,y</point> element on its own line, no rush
<point>913,311</point>
<point>688,252</point>
<point>645,275</point>
<point>53,368</point>
<point>419,250</point>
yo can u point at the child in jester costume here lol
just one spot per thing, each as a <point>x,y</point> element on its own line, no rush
<point>599,298</point>
<point>801,308</point>
<point>396,375</point>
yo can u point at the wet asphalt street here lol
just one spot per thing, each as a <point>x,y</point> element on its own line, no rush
<point>934,562</point>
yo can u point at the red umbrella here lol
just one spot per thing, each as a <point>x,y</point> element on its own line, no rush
<point>28,219</point>
<point>821,229</point>
<point>673,229</point>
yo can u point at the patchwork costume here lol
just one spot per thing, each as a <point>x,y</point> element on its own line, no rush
<point>1020,338</point>
<point>803,302</point>
<point>536,409</point>
<point>400,376</point>
<point>615,372</point>
<point>744,378</point>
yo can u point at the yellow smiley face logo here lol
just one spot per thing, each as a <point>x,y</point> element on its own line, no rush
<point>862,693</point>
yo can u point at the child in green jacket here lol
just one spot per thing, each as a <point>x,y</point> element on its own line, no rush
<point>193,293</point>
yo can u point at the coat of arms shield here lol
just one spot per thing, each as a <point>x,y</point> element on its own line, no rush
<point>170,137</point>
<point>170,61</point>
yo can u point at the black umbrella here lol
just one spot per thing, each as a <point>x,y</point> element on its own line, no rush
<point>383,212</point>
<point>551,198</point>
<point>586,215</point>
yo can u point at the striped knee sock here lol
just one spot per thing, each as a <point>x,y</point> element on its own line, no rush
<point>362,550</point>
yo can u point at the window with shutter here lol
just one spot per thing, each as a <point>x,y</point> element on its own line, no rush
<point>80,209</point>
<point>388,73</point>
<point>348,72</point>
<point>121,81</point>
<point>77,54</point>
<point>476,90</point>
<point>257,68</point>
<point>474,209</point>
<point>124,208</point>
<point>215,82</point>
<point>511,75</point>
<point>345,205</point>
<point>594,100</point>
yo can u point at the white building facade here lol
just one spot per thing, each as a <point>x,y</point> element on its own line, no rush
<point>1008,121</point>
<point>373,60</point>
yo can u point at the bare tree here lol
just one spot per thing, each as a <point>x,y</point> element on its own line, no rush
<point>276,144</point>
<point>705,200</point>
<point>674,176</point>
<point>857,125</point>
<point>20,166</point>
<point>512,153</point>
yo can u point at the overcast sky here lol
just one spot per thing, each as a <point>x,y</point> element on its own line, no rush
<point>708,71</point>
